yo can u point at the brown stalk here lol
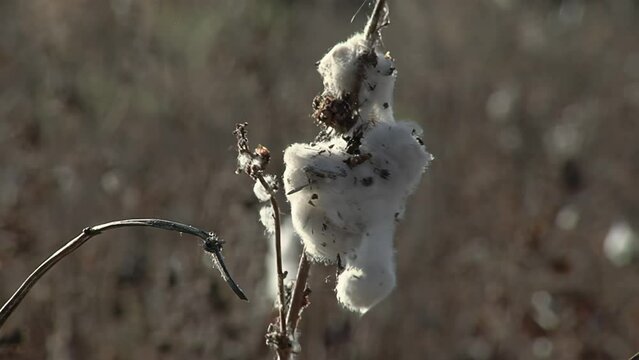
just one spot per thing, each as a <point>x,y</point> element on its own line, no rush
<point>278,255</point>
<point>298,299</point>
<point>372,26</point>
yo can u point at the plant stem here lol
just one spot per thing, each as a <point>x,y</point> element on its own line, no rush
<point>297,304</point>
<point>372,26</point>
<point>298,301</point>
<point>210,241</point>
<point>278,256</point>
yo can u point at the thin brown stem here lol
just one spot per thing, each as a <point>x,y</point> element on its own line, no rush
<point>372,26</point>
<point>210,241</point>
<point>278,255</point>
<point>298,299</point>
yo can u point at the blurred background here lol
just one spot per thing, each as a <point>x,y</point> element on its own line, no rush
<point>521,242</point>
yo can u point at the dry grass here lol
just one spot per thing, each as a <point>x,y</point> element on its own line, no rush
<point>115,109</point>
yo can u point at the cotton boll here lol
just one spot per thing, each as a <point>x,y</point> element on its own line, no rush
<point>369,276</point>
<point>338,67</point>
<point>351,211</point>
<point>347,192</point>
<point>324,213</point>
<point>334,204</point>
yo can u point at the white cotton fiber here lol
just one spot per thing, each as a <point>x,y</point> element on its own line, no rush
<point>260,192</point>
<point>333,204</point>
<point>369,275</point>
<point>339,70</point>
<point>267,219</point>
<point>345,202</point>
<point>352,211</point>
<point>339,66</point>
<point>323,212</point>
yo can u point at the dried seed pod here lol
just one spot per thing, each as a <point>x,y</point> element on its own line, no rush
<point>336,113</point>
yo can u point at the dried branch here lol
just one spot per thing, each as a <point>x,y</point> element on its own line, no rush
<point>254,163</point>
<point>210,242</point>
<point>299,299</point>
<point>278,255</point>
<point>373,25</point>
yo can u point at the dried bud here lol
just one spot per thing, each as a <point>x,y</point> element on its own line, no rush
<point>263,152</point>
<point>336,113</point>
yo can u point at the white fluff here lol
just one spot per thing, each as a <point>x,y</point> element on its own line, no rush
<point>345,205</point>
<point>338,69</point>
<point>334,204</point>
<point>352,211</point>
<point>267,218</point>
<point>261,193</point>
<point>339,66</point>
<point>369,275</point>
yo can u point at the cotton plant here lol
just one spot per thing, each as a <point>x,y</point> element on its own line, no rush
<point>348,189</point>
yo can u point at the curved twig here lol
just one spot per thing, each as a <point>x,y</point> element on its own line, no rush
<point>210,242</point>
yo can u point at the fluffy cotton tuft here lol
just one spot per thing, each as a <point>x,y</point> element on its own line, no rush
<point>369,275</point>
<point>339,71</point>
<point>261,193</point>
<point>333,203</point>
<point>339,66</point>
<point>267,218</point>
<point>348,192</point>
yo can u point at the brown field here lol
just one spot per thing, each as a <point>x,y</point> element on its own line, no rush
<point>120,108</point>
